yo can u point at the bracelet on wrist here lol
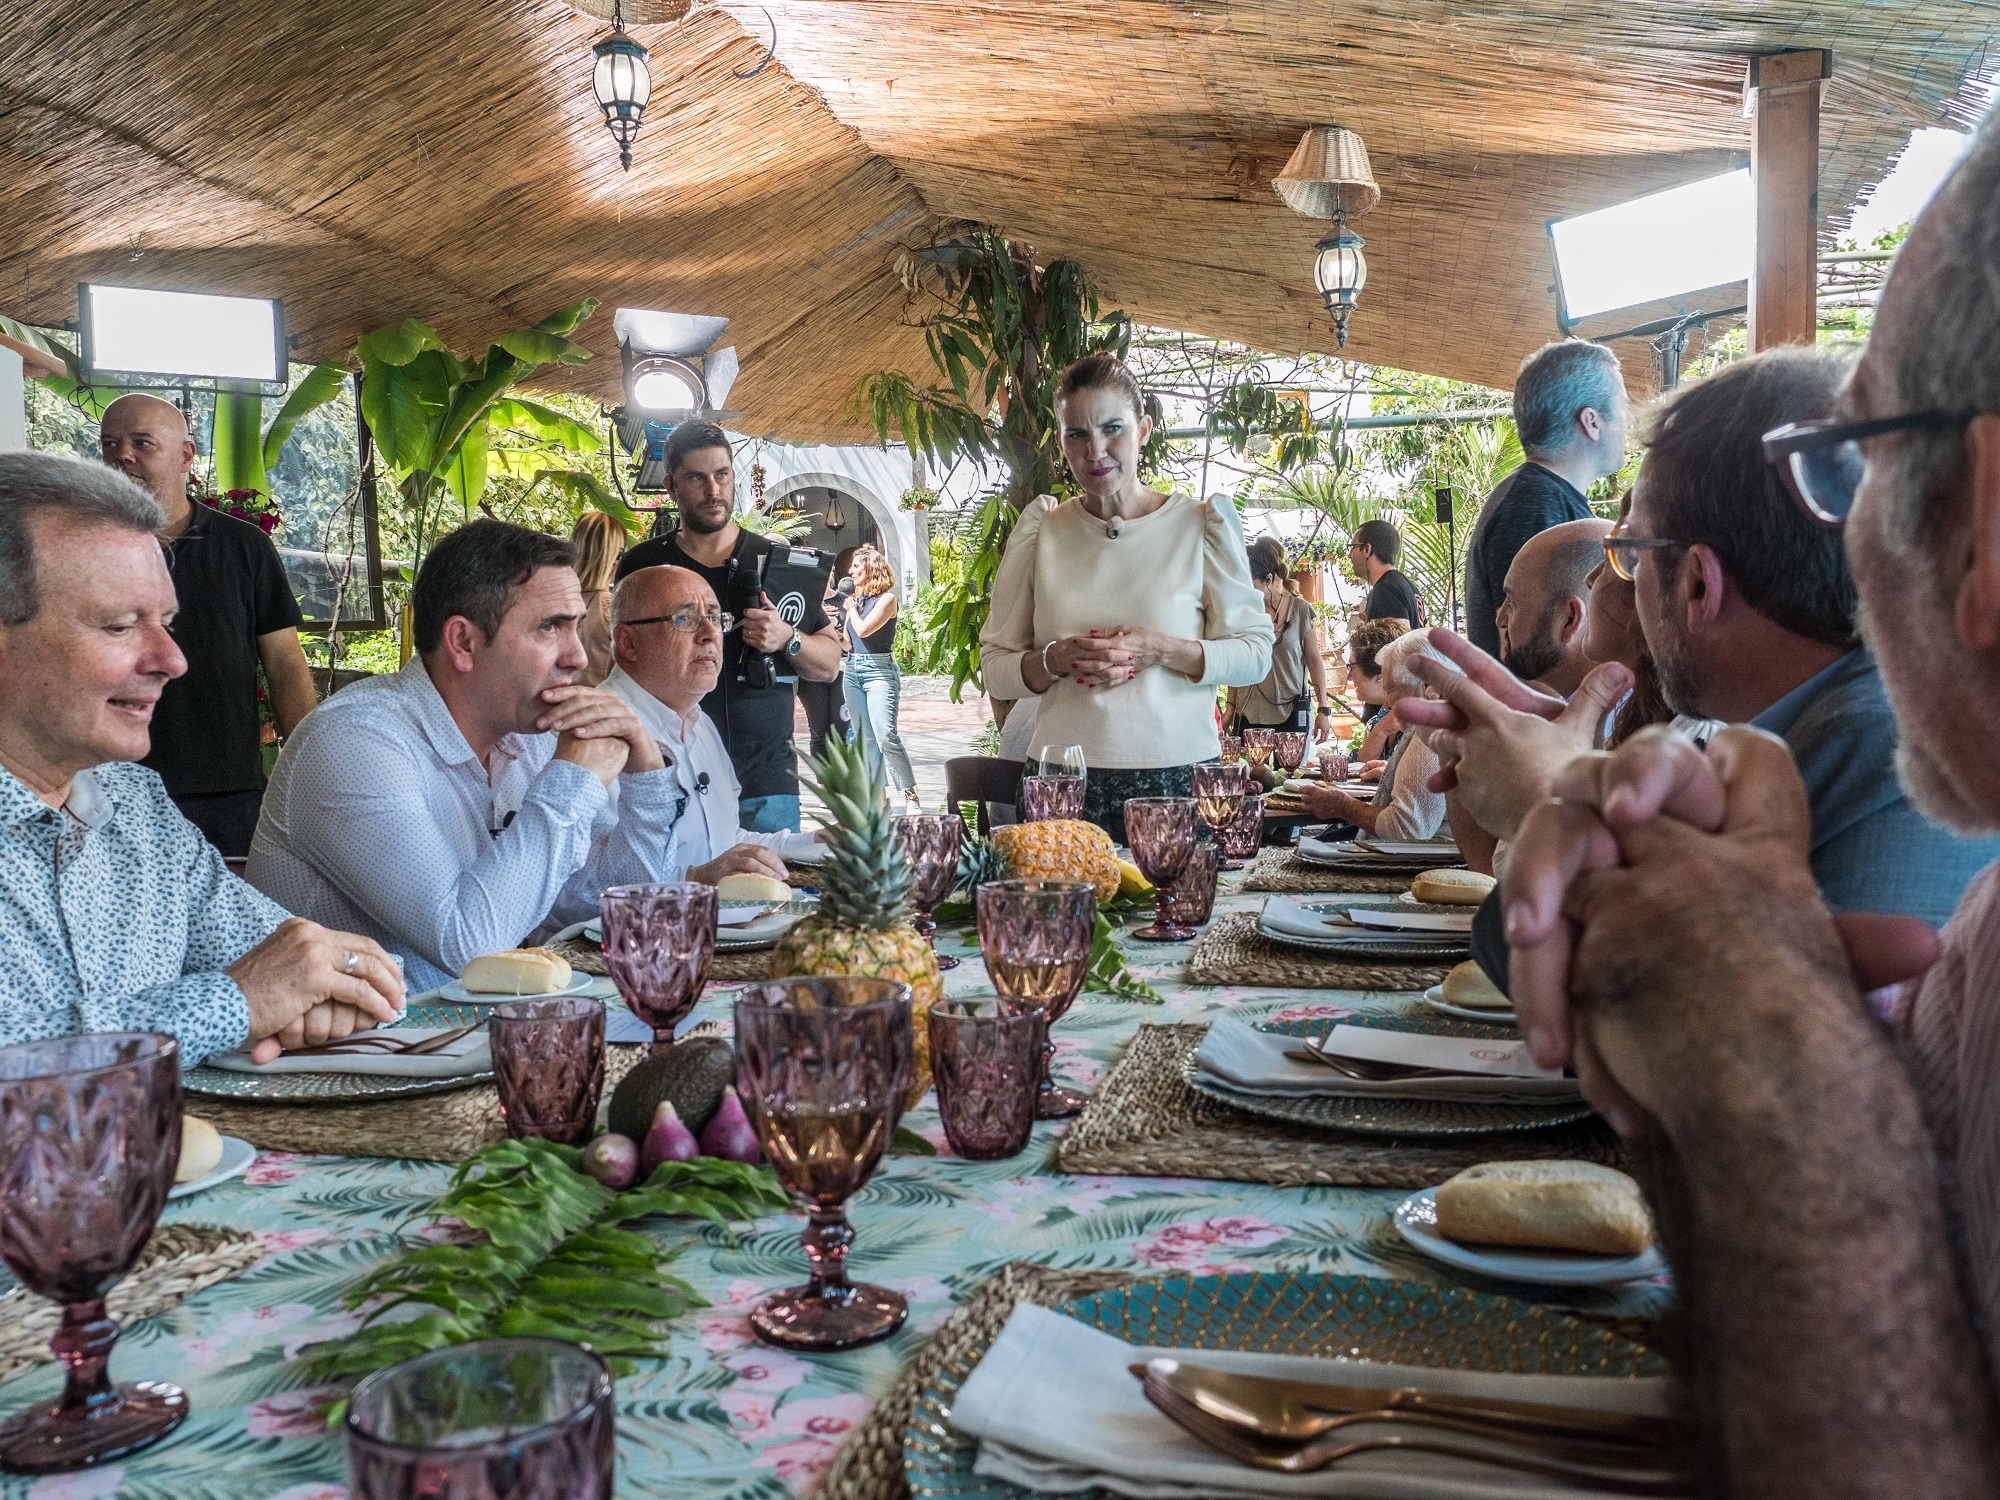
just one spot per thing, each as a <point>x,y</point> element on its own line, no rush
<point>1053,674</point>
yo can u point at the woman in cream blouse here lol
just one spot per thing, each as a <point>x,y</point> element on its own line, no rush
<point>1124,608</point>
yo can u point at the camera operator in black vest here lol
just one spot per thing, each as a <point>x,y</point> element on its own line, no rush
<point>753,703</point>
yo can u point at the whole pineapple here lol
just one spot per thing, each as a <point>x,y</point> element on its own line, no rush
<point>863,926</point>
<point>1060,849</point>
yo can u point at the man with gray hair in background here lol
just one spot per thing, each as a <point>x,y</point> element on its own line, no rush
<point>115,913</point>
<point>1572,414</point>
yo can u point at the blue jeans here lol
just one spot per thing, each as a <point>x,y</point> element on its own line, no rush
<point>874,691</point>
<point>768,814</point>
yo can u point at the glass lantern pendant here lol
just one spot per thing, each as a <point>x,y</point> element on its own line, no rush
<point>622,85</point>
<point>1340,273</point>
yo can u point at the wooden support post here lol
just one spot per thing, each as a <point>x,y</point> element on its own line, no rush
<point>1781,96</point>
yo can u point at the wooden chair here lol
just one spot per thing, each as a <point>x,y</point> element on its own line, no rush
<point>983,779</point>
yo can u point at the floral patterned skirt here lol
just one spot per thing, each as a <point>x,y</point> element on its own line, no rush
<point>1105,792</point>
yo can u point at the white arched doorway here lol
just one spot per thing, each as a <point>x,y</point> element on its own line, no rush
<point>814,488</point>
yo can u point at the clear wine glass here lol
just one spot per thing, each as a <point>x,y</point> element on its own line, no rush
<point>658,940</point>
<point>1036,937</point>
<point>930,842</point>
<point>1258,745</point>
<point>822,1066</point>
<point>1161,831</point>
<point>90,1133</point>
<point>548,1065</point>
<point>1046,797</point>
<point>1218,793</point>
<point>496,1419</point>
<point>1066,761</point>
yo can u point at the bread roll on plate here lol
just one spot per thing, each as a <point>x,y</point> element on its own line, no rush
<point>201,1149</point>
<point>1468,985</point>
<point>745,886</point>
<point>1452,887</point>
<point>1547,1205</point>
<point>520,971</point>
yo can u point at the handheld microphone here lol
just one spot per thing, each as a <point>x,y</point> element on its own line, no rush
<point>845,588</point>
<point>1114,527</point>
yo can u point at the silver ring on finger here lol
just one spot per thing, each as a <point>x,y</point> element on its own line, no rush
<point>352,965</point>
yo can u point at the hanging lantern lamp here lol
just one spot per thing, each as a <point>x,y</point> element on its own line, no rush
<point>1328,177</point>
<point>622,85</point>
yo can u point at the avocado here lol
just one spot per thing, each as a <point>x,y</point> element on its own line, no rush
<point>690,1075</point>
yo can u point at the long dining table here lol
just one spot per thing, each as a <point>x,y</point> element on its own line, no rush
<point>722,1416</point>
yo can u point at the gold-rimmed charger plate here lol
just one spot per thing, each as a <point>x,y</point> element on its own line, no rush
<point>1316,1315</point>
<point>341,1088</point>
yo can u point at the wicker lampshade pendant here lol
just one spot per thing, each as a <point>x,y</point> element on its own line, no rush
<point>1328,176</point>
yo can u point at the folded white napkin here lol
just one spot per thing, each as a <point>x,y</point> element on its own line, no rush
<point>1238,1056</point>
<point>1055,1408</point>
<point>1441,849</point>
<point>1404,919</point>
<point>469,1054</point>
<point>1290,919</point>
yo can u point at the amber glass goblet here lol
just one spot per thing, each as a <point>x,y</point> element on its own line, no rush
<point>90,1133</point>
<point>658,940</point>
<point>1218,792</point>
<point>548,1064</point>
<point>1036,937</point>
<point>1245,831</point>
<point>1047,797</point>
<point>497,1419</point>
<point>1258,745</point>
<point>987,1060</point>
<point>1161,831</point>
<point>1288,749</point>
<point>823,1066</point>
<point>930,842</point>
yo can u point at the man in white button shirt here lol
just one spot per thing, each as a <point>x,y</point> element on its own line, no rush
<point>666,637</point>
<point>465,804</point>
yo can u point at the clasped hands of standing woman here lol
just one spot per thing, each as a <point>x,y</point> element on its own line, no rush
<point>1106,658</point>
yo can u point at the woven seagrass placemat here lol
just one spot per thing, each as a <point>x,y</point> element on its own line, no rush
<point>869,1465</point>
<point>430,1127</point>
<point>178,1261</point>
<point>725,968</point>
<point>1144,1121</point>
<point>1282,870</point>
<point>1233,951</point>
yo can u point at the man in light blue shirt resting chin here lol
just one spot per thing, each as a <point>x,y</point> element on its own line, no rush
<point>115,913</point>
<point>463,805</point>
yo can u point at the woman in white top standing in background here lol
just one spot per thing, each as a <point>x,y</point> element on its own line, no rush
<point>1124,608</point>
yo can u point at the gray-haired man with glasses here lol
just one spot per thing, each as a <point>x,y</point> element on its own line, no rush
<point>667,632</point>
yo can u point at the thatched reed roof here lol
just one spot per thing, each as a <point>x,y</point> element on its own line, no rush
<point>444,159</point>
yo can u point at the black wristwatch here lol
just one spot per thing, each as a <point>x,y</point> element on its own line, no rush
<point>795,644</point>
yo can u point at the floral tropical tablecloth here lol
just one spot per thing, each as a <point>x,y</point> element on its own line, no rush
<point>723,1416</point>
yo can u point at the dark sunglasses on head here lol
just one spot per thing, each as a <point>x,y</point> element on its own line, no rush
<point>1822,461</point>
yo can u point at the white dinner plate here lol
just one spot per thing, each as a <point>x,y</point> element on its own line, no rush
<point>236,1158</point>
<point>806,854</point>
<point>1416,1222</point>
<point>1434,998</point>
<point>457,994</point>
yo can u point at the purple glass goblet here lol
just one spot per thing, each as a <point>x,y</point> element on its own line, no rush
<point>1047,797</point>
<point>90,1133</point>
<point>497,1419</point>
<point>1288,749</point>
<point>1259,745</point>
<point>1191,898</point>
<point>930,842</point>
<point>1161,831</point>
<point>1218,792</point>
<point>987,1060</point>
<point>1036,937</point>
<point>823,1067</point>
<point>1232,749</point>
<point>658,940</point>
<point>548,1064</point>
<point>1244,832</point>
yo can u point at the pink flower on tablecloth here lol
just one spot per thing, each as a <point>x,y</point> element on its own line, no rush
<point>750,1413</point>
<point>260,1320</point>
<point>1312,1013</point>
<point>827,1417</point>
<point>333,1326</point>
<point>271,1167</point>
<point>451,1231</point>
<point>276,1241</point>
<point>292,1413</point>
<point>767,1370</point>
<point>1074,1064</point>
<point>1191,1244</point>
<point>801,1464</point>
<point>726,1326</point>
<point>90,1484</point>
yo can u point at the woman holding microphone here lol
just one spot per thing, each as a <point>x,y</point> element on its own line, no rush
<point>1125,607</point>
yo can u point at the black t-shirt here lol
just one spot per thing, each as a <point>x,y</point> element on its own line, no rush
<point>756,723</point>
<point>1394,597</point>
<point>1524,504</point>
<point>231,588</point>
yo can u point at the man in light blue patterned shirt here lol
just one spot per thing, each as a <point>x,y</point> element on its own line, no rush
<point>115,913</point>
<point>463,806</point>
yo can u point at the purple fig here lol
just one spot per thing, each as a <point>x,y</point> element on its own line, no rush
<point>729,1135</point>
<point>668,1140</point>
<point>613,1160</point>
